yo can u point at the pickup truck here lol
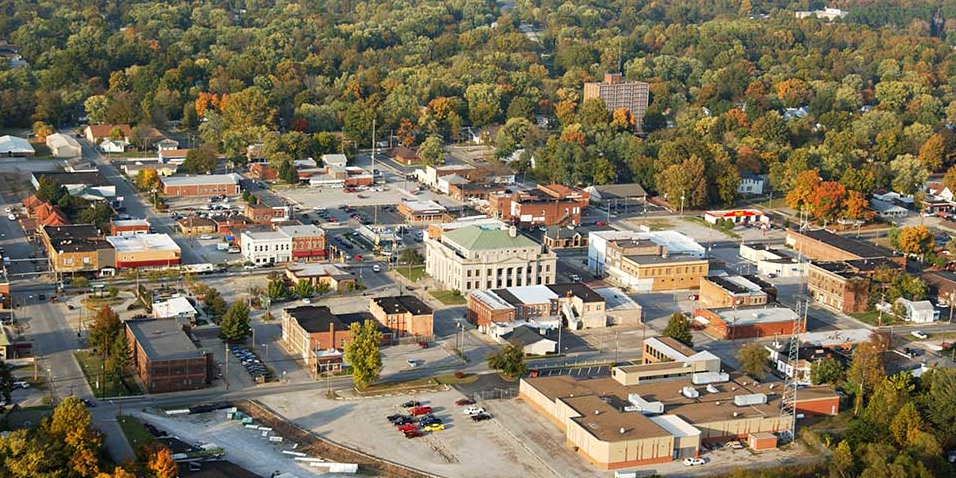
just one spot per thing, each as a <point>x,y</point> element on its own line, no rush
<point>421,410</point>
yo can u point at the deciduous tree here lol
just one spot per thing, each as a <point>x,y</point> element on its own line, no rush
<point>162,465</point>
<point>753,360</point>
<point>362,352</point>
<point>804,188</point>
<point>509,361</point>
<point>234,326</point>
<point>304,288</point>
<point>678,328</point>
<point>431,151</point>
<point>932,152</point>
<point>147,179</point>
<point>6,381</point>
<point>105,328</point>
<point>200,160</point>
<point>828,200</point>
<point>865,372</point>
<point>826,371</point>
<point>916,240</point>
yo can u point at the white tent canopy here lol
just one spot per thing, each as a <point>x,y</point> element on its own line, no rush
<point>14,145</point>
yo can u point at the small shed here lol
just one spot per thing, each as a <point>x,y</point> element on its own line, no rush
<point>531,341</point>
<point>762,441</point>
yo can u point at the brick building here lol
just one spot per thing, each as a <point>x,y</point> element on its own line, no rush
<point>422,211</point>
<point>823,245</point>
<point>195,225</point>
<point>617,93</point>
<point>203,185</point>
<point>129,227</point>
<point>336,279</point>
<point>720,291</point>
<point>747,322</point>
<point>406,156</point>
<point>306,329</point>
<point>308,242</point>
<point>165,358</point>
<point>545,206</point>
<point>403,315</point>
<point>575,302</point>
<point>145,250</point>
<point>474,191</point>
<point>77,248</point>
<point>647,261</point>
<point>844,285</point>
<point>263,213</point>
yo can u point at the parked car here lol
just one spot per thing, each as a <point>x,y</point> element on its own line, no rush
<point>919,334</point>
<point>435,427</point>
<point>411,403</point>
<point>413,434</point>
<point>473,410</point>
<point>12,217</point>
<point>480,417</point>
<point>205,237</point>
<point>376,268</point>
<point>394,418</point>
<point>23,385</point>
<point>694,461</point>
<point>358,257</point>
<point>88,403</point>
<point>420,410</point>
<point>465,401</point>
<point>407,427</point>
<point>411,363</point>
<point>423,345</point>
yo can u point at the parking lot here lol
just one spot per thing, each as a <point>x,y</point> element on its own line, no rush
<point>463,449</point>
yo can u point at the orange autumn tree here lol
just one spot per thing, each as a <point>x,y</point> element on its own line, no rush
<point>804,188</point>
<point>827,200</point>
<point>161,464</point>
<point>856,207</point>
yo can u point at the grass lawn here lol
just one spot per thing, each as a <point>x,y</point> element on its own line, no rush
<point>652,224</point>
<point>452,379</point>
<point>872,317</point>
<point>448,297</point>
<point>136,435</point>
<point>384,387</point>
<point>416,272</point>
<point>92,370</point>
<point>701,222</point>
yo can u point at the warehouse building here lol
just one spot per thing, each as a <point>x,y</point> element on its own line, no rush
<point>728,291</point>
<point>202,185</point>
<point>747,322</point>
<point>145,250</point>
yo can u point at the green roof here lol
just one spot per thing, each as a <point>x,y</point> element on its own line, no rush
<point>476,238</point>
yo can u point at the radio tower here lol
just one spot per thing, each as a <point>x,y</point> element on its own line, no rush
<point>788,402</point>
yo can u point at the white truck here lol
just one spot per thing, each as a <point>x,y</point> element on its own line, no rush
<point>204,268</point>
<point>222,246</point>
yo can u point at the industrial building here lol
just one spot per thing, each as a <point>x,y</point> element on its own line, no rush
<point>731,323</point>
<point>728,291</point>
<point>664,411</point>
<point>145,250</point>
<point>647,261</point>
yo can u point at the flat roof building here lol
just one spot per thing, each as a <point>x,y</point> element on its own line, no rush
<point>617,93</point>
<point>145,250</point>
<point>824,245</point>
<point>422,211</point>
<point>748,322</point>
<point>728,291</point>
<point>77,248</point>
<point>576,303</point>
<point>335,278</point>
<point>403,315</point>
<point>202,185</point>
<point>165,358</point>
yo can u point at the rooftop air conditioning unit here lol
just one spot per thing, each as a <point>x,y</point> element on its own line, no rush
<point>711,388</point>
<point>690,392</point>
<point>704,378</point>
<point>643,406</point>
<point>752,399</point>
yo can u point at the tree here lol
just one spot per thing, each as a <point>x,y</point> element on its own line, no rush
<point>856,207</point>
<point>247,109</point>
<point>939,399</point>
<point>410,256</point>
<point>827,201</point>
<point>200,161</point>
<point>678,328</point>
<point>278,288</point>
<point>687,179</point>
<point>800,197</point>
<point>753,360</point>
<point>147,179</point>
<point>826,371</point>
<point>509,361</point>
<point>906,425</point>
<point>865,371</point>
<point>288,173</point>
<point>215,305</point>
<point>431,151</point>
<point>95,107</point>
<point>104,330</point>
<point>362,352</point>
<point>949,179</point>
<point>915,240</point>
<point>50,190</point>
<point>81,282</point>
<point>234,326</point>
<point>304,288</point>
<point>119,359</point>
<point>41,130</point>
<point>932,152</point>
<point>162,465</point>
<point>6,381</point>
<point>909,174</point>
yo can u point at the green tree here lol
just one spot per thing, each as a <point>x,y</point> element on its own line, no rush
<point>410,256</point>
<point>362,352</point>
<point>277,288</point>
<point>215,304</point>
<point>247,109</point>
<point>678,328</point>
<point>509,361</point>
<point>753,360</point>
<point>288,173</point>
<point>357,123</point>
<point>119,359</point>
<point>431,151</point>
<point>939,399</point>
<point>826,371</point>
<point>687,179</point>
<point>95,107</point>
<point>234,326</point>
<point>200,161</point>
<point>81,282</point>
<point>6,381</point>
<point>304,288</point>
<point>865,372</point>
<point>50,190</point>
<point>105,328</point>
<point>909,174</point>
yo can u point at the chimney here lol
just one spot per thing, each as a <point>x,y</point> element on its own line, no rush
<point>613,78</point>
<point>331,335</point>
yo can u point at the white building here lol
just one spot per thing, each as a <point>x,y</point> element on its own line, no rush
<point>474,257</point>
<point>919,311</point>
<point>270,247</point>
<point>63,146</point>
<point>167,144</point>
<point>752,183</point>
<point>14,146</point>
<point>174,308</point>
<point>675,242</point>
<point>337,160</point>
<point>888,210</point>
<point>112,146</point>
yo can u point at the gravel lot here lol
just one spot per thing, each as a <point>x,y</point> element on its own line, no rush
<point>464,449</point>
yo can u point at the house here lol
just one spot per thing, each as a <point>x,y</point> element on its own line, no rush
<point>202,185</point>
<point>321,275</point>
<point>174,308</point>
<point>129,227</point>
<point>165,357</point>
<point>530,341</point>
<point>403,315</point>
<point>337,160</point>
<point>617,93</point>
<point>12,146</point>
<point>167,144</point>
<point>475,257</point>
<point>406,156</point>
<point>112,146</point>
<point>557,237</point>
<point>888,210</point>
<point>827,13</point>
<point>615,194</point>
<point>918,311</point>
<point>195,225</point>
<point>941,191</point>
<point>173,156</point>
<point>751,183</point>
<point>63,146</point>
<point>97,132</point>
<point>145,250</point>
<point>432,174</point>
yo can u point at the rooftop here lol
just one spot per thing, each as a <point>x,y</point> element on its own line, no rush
<point>301,230</point>
<point>734,284</point>
<point>671,347</point>
<point>75,238</point>
<point>13,144</point>
<point>204,179</point>
<point>172,308</point>
<point>143,242</point>
<point>860,249</point>
<point>664,259</point>
<point>754,315</point>
<point>163,339</point>
<point>577,289</point>
<point>318,318</point>
<point>403,304</point>
<point>617,191</point>
<point>265,235</point>
<point>524,335</point>
<point>311,269</point>
<point>605,421</point>
<point>65,178</point>
<point>131,223</point>
<point>675,242</point>
<point>485,238</point>
<point>422,206</point>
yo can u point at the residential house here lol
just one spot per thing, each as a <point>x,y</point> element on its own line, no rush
<point>406,156</point>
<point>95,133</point>
<point>918,311</point>
<point>112,146</point>
<point>167,144</point>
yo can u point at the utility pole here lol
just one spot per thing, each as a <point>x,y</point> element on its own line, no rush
<point>682,204</point>
<point>373,151</point>
<point>225,377</point>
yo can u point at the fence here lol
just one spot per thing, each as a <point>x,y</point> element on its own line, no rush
<point>495,394</point>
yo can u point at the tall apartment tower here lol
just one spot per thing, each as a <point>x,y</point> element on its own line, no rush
<point>618,93</point>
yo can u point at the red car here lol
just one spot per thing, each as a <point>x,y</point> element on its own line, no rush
<point>421,410</point>
<point>332,219</point>
<point>358,257</point>
<point>465,401</point>
<point>407,427</point>
<point>600,223</point>
<point>413,434</point>
<point>423,345</point>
